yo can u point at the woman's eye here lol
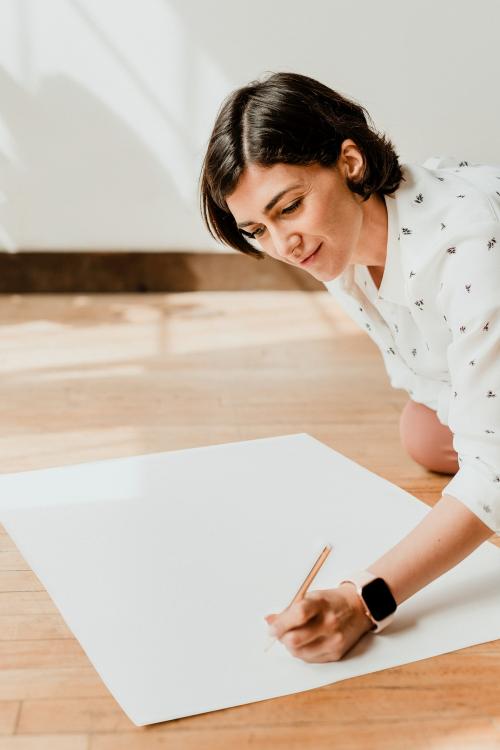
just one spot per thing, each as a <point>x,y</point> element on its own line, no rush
<point>252,235</point>
<point>292,207</point>
<point>258,232</point>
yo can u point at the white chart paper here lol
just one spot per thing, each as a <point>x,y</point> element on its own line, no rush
<point>164,565</point>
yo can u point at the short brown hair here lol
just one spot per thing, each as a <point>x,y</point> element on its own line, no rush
<point>292,119</point>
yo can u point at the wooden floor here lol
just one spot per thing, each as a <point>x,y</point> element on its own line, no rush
<point>93,377</point>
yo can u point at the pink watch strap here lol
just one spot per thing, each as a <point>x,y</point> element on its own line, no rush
<point>360,579</point>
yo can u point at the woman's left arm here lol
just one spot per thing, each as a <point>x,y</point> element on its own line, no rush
<point>445,536</point>
<point>326,624</point>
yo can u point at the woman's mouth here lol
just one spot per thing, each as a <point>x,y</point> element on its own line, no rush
<point>311,258</point>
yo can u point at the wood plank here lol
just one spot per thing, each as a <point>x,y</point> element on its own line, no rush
<point>23,684</point>
<point>464,734</point>
<point>26,603</point>
<point>33,627</point>
<point>396,693</point>
<point>12,560</point>
<point>46,742</point>
<point>37,654</point>
<point>6,543</point>
<point>19,580</point>
<point>72,715</point>
<point>9,712</point>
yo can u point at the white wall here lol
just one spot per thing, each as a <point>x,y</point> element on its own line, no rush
<point>106,105</point>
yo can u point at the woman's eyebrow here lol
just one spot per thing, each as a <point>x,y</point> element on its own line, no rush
<point>271,204</point>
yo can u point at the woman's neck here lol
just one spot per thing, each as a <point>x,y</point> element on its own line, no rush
<point>372,246</point>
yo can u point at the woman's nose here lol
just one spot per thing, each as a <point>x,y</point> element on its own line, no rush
<point>286,244</point>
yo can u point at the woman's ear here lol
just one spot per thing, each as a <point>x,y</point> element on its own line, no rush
<point>352,161</point>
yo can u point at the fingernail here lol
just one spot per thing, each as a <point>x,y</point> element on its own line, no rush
<point>272,631</point>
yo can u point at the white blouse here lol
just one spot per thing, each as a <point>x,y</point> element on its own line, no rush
<point>436,316</point>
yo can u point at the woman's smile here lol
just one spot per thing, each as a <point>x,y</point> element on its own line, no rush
<point>311,258</point>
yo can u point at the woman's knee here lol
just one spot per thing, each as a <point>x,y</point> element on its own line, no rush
<point>426,440</point>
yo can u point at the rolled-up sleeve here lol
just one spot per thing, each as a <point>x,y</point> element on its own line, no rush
<point>470,302</point>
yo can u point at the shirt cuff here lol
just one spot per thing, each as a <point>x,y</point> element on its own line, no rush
<point>479,492</point>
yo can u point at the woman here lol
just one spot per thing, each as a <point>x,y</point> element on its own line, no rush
<point>412,253</point>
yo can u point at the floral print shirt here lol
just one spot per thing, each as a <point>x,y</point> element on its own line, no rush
<point>436,316</point>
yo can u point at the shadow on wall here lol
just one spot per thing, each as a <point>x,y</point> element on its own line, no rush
<point>55,168</point>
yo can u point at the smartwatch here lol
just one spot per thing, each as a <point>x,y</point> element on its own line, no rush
<point>377,598</point>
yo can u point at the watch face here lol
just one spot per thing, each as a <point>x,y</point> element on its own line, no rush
<point>379,599</point>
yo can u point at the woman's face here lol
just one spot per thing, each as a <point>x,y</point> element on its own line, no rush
<point>304,215</point>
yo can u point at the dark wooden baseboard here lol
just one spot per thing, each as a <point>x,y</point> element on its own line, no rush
<point>76,271</point>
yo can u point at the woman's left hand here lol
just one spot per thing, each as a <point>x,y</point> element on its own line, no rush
<point>322,626</point>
